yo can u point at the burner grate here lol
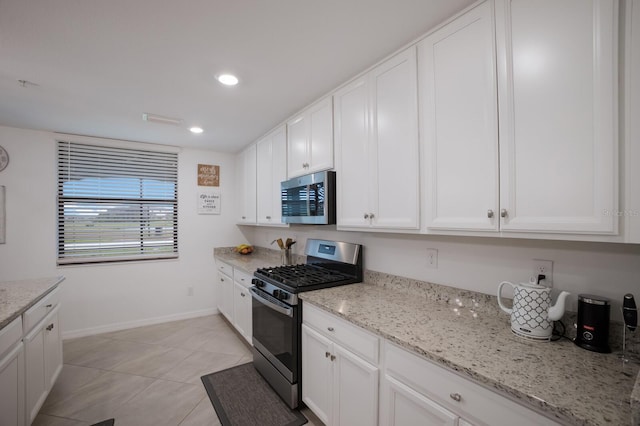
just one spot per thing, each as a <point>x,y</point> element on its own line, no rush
<point>302,275</point>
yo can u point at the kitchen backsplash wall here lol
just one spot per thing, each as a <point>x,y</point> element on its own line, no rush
<point>480,264</point>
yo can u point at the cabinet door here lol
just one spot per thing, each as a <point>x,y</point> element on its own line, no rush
<point>394,135</point>
<point>297,143</point>
<point>12,387</point>
<point>242,310</point>
<point>52,350</point>
<point>320,151</point>
<point>402,406</point>
<point>459,123</point>
<point>558,115</point>
<point>278,172</point>
<point>264,186</point>
<point>225,292</point>
<point>271,171</point>
<point>355,389</point>
<point>317,373</point>
<point>247,185</point>
<point>352,155</point>
<point>35,382</point>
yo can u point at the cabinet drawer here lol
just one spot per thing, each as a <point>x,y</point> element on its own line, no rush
<point>242,278</point>
<point>350,336</point>
<point>10,335</point>
<point>38,311</point>
<point>225,268</point>
<point>460,395</point>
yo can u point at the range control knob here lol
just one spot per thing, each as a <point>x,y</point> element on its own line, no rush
<point>280,295</point>
<point>257,282</point>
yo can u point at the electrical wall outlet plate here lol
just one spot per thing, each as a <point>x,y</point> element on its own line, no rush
<point>543,267</point>
<point>432,258</point>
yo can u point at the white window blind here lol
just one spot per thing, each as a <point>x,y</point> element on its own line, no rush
<point>116,204</point>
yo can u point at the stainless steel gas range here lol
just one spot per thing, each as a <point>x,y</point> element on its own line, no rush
<point>277,313</point>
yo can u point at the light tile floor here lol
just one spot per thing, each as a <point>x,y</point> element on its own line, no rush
<point>145,376</point>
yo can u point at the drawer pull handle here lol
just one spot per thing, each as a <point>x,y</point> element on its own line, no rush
<point>333,357</point>
<point>330,328</point>
<point>456,397</point>
<point>48,306</point>
<point>50,327</point>
<point>327,354</point>
<point>242,294</point>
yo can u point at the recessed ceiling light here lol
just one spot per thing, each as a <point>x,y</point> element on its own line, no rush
<point>228,79</point>
<point>196,130</point>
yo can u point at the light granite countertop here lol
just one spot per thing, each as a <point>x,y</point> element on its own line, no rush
<point>18,296</point>
<point>571,384</point>
<point>260,258</point>
<point>466,332</point>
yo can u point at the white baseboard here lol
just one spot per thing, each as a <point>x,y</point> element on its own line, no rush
<point>84,332</point>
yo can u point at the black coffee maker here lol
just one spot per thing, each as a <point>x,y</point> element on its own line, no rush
<point>593,323</point>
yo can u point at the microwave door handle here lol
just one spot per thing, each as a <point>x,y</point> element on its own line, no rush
<point>308,200</point>
<point>285,311</point>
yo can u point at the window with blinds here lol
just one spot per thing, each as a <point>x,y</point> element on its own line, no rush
<point>116,204</point>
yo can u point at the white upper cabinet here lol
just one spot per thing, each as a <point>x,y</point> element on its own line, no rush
<point>459,123</point>
<point>246,179</point>
<point>376,136</point>
<point>557,85</point>
<point>271,170</point>
<point>310,140</point>
<point>352,154</point>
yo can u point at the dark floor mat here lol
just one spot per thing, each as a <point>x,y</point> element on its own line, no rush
<point>109,422</point>
<point>241,397</point>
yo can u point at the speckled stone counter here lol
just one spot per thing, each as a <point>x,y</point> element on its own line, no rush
<point>464,332</point>
<point>18,296</point>
<point>260,258</point>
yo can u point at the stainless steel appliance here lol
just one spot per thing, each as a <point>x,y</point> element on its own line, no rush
<point>277,312</point>
<point>309,199</point>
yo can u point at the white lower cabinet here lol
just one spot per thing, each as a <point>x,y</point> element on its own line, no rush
<point>225,295</point>
<point>242,306</point>
<point>234,298</point>
<point>415,391</point>
<point>403,406</point>
<point>340,371</point>
<point>352,377</point>
<point>12,375</point>
<point>337,385</point>
<point>43,359</point>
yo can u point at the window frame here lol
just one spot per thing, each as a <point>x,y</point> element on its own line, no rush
<point>114,239</point>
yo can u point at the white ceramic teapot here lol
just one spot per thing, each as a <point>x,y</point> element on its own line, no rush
<point>532,314</point>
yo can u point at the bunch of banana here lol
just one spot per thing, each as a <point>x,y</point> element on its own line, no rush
<point>244,249</point>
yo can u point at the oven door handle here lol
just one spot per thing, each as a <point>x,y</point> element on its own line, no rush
<point>280,309</point>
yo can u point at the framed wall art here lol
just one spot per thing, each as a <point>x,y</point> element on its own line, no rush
<point>209,202</point>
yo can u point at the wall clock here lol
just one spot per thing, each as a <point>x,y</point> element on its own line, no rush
<point>4,158</point>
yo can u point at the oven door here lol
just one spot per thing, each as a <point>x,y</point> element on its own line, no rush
<point>275,333</point>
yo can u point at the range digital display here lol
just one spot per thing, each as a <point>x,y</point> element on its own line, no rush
<point>327,249</point>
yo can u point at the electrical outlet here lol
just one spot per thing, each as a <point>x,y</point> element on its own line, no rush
<point>432,258</point>
<point>543,267</point>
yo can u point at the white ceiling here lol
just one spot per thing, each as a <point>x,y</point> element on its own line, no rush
<point>99,65</point>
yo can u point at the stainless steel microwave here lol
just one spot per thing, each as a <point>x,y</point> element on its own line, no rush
<point>309,199</point>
